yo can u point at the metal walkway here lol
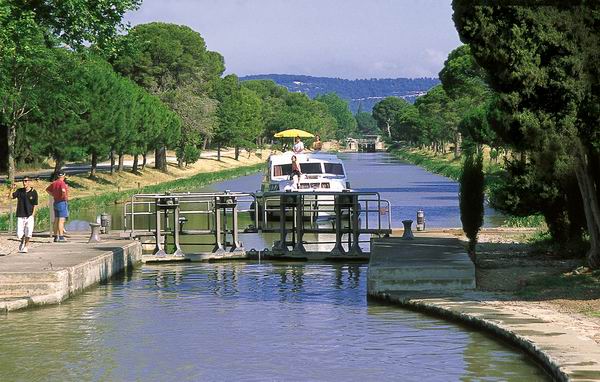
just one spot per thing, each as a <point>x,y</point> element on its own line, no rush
<point>341,222</point>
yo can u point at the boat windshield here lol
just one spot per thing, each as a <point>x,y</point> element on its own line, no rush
<point>306,168</point>
<point>334,168</point>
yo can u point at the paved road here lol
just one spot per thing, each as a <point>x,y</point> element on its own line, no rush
<point>81,168</point>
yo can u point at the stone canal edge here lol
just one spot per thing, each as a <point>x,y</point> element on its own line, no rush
<point>51,273</point>
<point>560,343</point>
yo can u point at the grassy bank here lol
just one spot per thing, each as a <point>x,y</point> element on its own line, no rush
<point>109,198</point>
<point>446,165</point>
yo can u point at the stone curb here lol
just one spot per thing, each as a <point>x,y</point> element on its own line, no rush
<point>543,359</point>
<point>80,277</point>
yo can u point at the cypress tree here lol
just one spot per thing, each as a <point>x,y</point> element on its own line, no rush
<point>471,198</point>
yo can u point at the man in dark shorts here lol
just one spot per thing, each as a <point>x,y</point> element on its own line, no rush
<point>27,200</point>
<point>60,193</point>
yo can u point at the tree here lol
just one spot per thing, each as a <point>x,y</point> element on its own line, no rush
<point>172,62</point>
<point>23,64</point>
<point>542,61</point>
<point>338,108</point>
<point>471,198</point>
<point>239,114</point>
<point>464,82</point>
<point>26,30</point>
<point>366,124</point>
<point>433,118</point>
<point>54,126</point>
<point>406,125</point>
<point>385,112</point>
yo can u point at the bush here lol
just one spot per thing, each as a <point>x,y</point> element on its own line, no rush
<point>188,154</point>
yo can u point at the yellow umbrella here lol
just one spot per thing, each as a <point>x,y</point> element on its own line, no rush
<point>293,133</point>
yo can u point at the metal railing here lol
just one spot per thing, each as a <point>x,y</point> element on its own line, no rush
<point>167,214</point>
<point>349,215</point>
<point>344,210</point>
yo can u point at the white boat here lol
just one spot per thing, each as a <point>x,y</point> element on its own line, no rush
<point>321,172</point>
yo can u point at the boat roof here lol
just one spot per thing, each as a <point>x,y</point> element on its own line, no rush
<point>286,157</point>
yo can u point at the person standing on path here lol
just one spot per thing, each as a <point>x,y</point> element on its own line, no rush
<point>27,200</point>
<point>60,193</point>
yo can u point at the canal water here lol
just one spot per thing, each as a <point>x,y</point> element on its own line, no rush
<point>246,322</point>
<point>257,321</point>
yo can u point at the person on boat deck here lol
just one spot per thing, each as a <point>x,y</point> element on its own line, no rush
<point>317,144</point>
<point>298,146</point>
<point>296,172</point>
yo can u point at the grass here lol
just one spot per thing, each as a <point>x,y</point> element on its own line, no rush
<point>109,198</point>
<point>524,221</point>
<point>429,161</point>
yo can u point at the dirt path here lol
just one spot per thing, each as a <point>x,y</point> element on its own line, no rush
<point>81,185</point>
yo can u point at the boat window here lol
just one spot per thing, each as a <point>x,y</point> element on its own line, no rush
<point>311,168</point>
<point>334,168</point>
<point>306,168</point>
<point>282,169</point>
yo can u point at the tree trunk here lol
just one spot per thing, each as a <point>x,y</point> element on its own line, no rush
<point>58,164</point>
<point>94,165</point>
<point>112,162</point>
<point>205,143</point>
<point>134,168</point>
<point>160,159</point>
<point>11,137</point>
<point>589,194</point>
<point>121,166</point>
<point>457,139</point>
<point>237,153</point>
<point>219,152</point>
<point>389,128</point>
<point>144,161</point>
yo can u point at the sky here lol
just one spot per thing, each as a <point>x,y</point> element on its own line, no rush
<point>331,38</point>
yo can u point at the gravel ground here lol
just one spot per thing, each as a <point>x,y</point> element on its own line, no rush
<point>9,245</point>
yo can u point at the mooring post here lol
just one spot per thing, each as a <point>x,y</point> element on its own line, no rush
<point>299,247</point>
<point>338,249</point>
<point>178,252</point>
<point>355,213</point>
<point>281,247</point>
<point>235,242</point>
<point>158,249</point>
<point>217,219</point>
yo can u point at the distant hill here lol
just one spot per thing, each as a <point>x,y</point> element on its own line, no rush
<point>358,92</point>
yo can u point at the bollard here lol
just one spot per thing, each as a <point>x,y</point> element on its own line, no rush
<point>105,222</point>
<point>95,234</point>
<point>408,234</point>
<point>420,220</point>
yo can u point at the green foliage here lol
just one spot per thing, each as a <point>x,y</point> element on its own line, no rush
<point>385,113</point>
<point>525,221</point>
<point>542,63</point>
<point>162,57</point>
<point>188,154</point>
<point>471,197</point>
<point>366,124</point>
<point>338,108</point>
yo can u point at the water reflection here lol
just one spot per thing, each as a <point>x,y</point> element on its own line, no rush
<point>244,321</point>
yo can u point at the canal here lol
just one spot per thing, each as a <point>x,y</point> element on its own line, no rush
<point>259,321</point>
